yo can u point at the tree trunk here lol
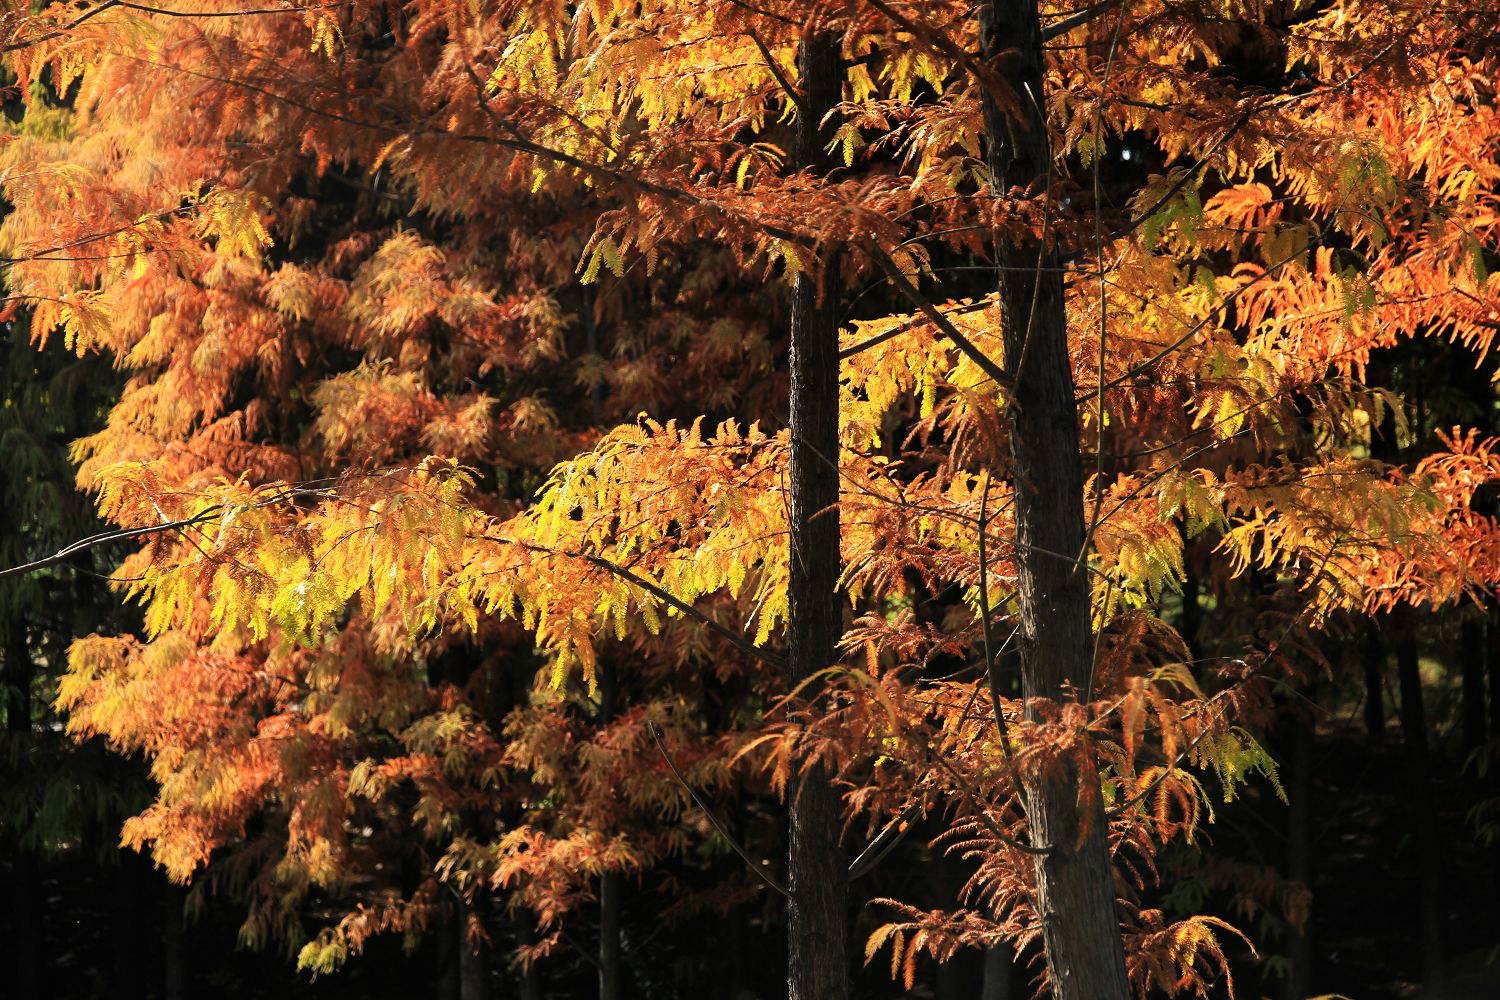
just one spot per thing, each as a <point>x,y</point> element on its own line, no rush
<point>473,956</point>
<point>174,944</point>
<point>1493,668</point>
<point>610,890</point>
<point>1421,805</point>
<point>1299,853</point>
<point>999,963</point>
<point>1374,664</point>
<point>817,962</point>
<point>531,976</point>
<point>1471,649</point>
<point>611,886</point>
<point>1075,886</point>
<point>25,909</point>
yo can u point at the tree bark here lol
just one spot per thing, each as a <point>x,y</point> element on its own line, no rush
<point>1075,886</point>
<point>1421,805</point>
<point>817,959</point>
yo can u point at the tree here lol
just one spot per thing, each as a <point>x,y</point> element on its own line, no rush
<point>1313,187</point>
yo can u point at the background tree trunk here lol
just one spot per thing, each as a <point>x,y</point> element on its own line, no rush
<point>1374,671</point>
<point>1299,851</point>
<point>1493,669</point>
<point>25,909</point>
<point>816,933</point>
<point>999,968</point>
<point>473,956</point>
<point>1075,886</point>
<point>1471,649</point>
<point>1419,789</point>
<point>611,886</point>
<point>174,944</point>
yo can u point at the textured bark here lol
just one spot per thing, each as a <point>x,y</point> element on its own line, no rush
<point>1421,806</point>
<point>1075,886</point>
<point>817,959</point>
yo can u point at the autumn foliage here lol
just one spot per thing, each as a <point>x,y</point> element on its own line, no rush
<point>455,343</point>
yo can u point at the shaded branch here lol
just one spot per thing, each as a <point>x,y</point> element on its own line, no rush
<point>759,870</point>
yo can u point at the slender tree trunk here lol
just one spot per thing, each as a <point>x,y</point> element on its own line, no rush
<point>999,968</point>
<point>611,886</point>
<point>1299,852</point>
<point>1420,806</point>
<point>531,976</point>
<point>450,942</point>
<point>1471,649</point>
<point>1075,886</point>
<point>174,944</point>
<point>25,908</point>
<point>473,956</point>
<point>817,961</point>
<point>1374,666</point>
<point>1493,669</point>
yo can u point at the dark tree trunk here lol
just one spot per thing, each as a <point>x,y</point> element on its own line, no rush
<point>1374,666</point>
<point>1493,669</point>
<point>1471,648</point>
<point>450,936</point>
<point>999,968</point>
<point>1420,805</point>
<point>531,976</point>
<point>817,961</point>
<point>1075,886</point>
<point>174,944</point>
<point>473,955</point>
<point>25,908</point>
<point>732,970</point>
<point>611,885</point>
<point>611,888</point>
<point>1299,852</point>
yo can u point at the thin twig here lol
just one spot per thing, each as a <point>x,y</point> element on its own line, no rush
<point>759,870</point>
